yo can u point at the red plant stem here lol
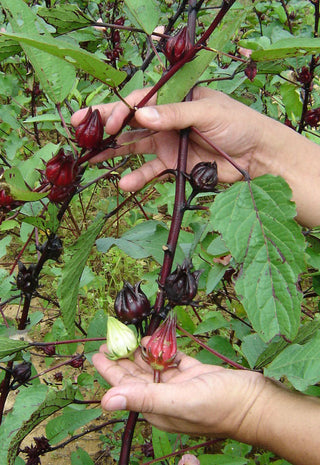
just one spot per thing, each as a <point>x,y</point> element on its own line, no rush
<point>214,352</point>
<point>70,341</point>
<point>5,388</point>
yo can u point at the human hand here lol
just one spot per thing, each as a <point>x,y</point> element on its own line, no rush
<point>230,125</point>
<point>193,398</point>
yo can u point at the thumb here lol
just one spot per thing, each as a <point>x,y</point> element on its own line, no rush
<point>176,115</point>
<point>156,398</point>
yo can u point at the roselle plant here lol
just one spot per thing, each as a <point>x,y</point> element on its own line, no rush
<point>79,255</point>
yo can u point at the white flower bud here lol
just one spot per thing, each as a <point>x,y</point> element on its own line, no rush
<point>121,340</point>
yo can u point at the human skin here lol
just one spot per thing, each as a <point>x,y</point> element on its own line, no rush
<point>197,399</point>
<point>256,142</point>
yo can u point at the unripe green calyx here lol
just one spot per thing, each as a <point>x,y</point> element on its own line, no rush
<point>121,340</point>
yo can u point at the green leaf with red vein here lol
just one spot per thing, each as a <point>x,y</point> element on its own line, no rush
<point>256,220</point>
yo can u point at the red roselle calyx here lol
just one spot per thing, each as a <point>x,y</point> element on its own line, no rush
<point>7,202</point>
<point>305,76</point>
<point>89,133</point>
<point>178,46</point>
<point>251,70</point>
<point>161,349</point>
<point>312,117</point>
<point>27,280</point>
<point>131,304</point>
<point>181,286</point>
<point>204,177</point>
<point>59,194</point>
<point>62,169</point>
<point>22,372</point>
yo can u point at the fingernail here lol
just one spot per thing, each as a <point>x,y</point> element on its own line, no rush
<point>116,403</point>
<point>150,114</point>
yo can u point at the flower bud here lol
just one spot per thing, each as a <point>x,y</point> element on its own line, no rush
<point>26,281</point>
<point>77,361</point>
<point>181,286</point>
<point>178,46</point>
<point>121,340</point>
<point>251,71</point>
<point>22,372</point>
<point>89,133</point>
<point>161,349</point>
<point>204,177</point>
<point>131,304</point>
<point>49,350</point>
<point>62,169</point>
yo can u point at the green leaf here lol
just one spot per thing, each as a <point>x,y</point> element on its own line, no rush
<point>54,401</point>
<point>97,328</point>
<point>299,363</point>
<point>8,48</point>
<point>257,225</point>
<point>161,443</point>
<point>71,419</point>
<point>71,274</point>
<point>81,59</point>
<point>179,85</point>
<point>252,347</point>
<point>66,18</point>
<point>219,459</point>
<point>146,13</point>
<point>4,244</point>
<point>18,188</point>
<point>55,75</point>
<point>10,346</point>
<point>81,457</point>
<point>213,323</point>
<point>286,48</point>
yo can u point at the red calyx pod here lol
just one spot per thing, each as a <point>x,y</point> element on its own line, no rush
<point>22,372</point>
<point>89,133</point>
<point>58,376</point>
<point>181,285</point>
<point>77,361</point>
<point>161,349</point>
<point>62,169</point>
<point>178,46</point>
<point>312,117</point>
<point>204,177</point>
<point>49,350</point>
<point>59,194</point>
<point>7,203</point>
<point>52,248</point>
<point>131,304</point>
<point>26,281</point>
<point>305,76</point>
<point>251,70</point>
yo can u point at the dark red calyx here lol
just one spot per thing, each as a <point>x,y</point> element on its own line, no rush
<point>304,75</point>
<point>89,133</point>
<point>60,194</point>
<point>58,376</point>
<point>204,177</point>
<point>52,248</point>
<point>27,280</point>
<point>62,169</point>
<point>178,46</point>
<point>77,361</point>
<point>181,286</point>
<point>161,349</point>
<point>49,350</point>
<point>7,202</point>
<point>251,70</point>
<point>22,372</point>
<point>131,304</point>
<point>312,117</point>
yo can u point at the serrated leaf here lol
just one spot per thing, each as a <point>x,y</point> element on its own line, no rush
<point>286,48</point>
<point>78,58</point>
<point>179,85</point>
<point>4,244</point>
<point>145,13</point>
<point>81,457</point>
<point>71,274</point>
<point>161,443</point>
<point>66,18</point>
<point>54,401</point>
<point>35,221</point>
<point>10,346</point>
<point>299,363</point>
<point>18,188</point>
<point>55,75</point>
<point>257,225</point>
